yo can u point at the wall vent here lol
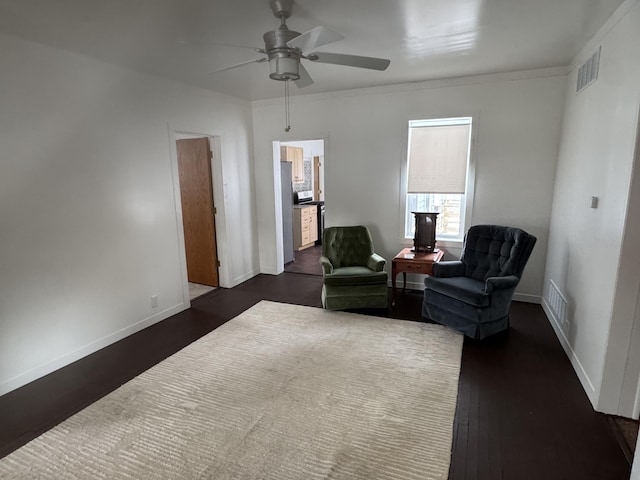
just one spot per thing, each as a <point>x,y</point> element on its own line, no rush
<point>557,303</point>
<point>588,72</point>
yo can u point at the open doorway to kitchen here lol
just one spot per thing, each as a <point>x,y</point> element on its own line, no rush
<point>303,204</point>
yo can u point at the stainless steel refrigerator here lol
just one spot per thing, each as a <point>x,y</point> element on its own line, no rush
<point>287,210</point>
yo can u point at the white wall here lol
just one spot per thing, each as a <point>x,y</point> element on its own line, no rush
<point>517,131</point>
<point>88,223</point>
<point>594,254</point>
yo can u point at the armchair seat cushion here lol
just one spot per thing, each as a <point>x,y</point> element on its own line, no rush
<point>355,276</point>
<point>465,289</point>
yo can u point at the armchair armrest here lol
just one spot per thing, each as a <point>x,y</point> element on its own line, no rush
<point>453,268</point>
<point>376,262</point>
<point>327,267</point>
<point>500,283</point>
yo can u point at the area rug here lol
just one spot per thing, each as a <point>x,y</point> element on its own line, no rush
<point>281,392</point>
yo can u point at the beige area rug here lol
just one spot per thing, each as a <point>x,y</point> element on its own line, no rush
<point>280,392</point>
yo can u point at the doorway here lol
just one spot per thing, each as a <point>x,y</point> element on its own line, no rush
<point>194,157</point>
<point>306,181</point>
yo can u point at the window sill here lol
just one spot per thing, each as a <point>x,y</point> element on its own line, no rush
<point>449,243</point>
<point>408,242</point>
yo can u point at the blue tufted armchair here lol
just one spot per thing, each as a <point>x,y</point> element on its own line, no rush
<point>473,294</point>
<point>353,275</point>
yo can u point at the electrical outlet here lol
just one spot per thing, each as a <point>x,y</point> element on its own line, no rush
<point>154,301</point>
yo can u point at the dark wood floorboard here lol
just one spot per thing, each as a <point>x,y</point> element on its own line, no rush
<point>306,261</point>
<point>521,414</point>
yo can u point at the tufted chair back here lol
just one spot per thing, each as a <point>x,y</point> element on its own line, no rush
<point>347,246</point>
<point>496,251</point>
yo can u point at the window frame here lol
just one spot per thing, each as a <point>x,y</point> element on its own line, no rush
<point>467,213</point>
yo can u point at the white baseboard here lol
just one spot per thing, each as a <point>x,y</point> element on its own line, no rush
<point>68,358</point>
<point>247,276</point>
<point>586,382</point>
<point>525,297</point>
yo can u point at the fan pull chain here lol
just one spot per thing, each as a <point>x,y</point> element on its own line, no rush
<point>286,105</point>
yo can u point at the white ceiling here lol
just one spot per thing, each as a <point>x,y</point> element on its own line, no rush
<point>424,39</point>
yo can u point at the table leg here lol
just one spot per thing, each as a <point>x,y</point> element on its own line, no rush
<point>394,272</point>
<point>404,282</point>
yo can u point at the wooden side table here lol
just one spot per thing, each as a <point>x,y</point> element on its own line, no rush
<point>412,262</point>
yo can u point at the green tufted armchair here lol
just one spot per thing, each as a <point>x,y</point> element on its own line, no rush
<point>353,275</point>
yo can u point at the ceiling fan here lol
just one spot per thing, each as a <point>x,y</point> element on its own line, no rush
<point>284,50</point>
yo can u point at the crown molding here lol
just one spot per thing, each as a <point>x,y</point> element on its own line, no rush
<point>559,71</point>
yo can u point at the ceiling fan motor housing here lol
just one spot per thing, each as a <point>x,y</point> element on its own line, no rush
<point>284,61</point>
<point>281,8</point>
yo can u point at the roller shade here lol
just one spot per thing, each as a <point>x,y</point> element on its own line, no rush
<point>438,158</point>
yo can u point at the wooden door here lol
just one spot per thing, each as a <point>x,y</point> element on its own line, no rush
<point>196,194</point>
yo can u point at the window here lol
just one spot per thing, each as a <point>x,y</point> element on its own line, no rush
<point>438,174</point>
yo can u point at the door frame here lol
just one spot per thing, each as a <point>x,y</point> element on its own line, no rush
<point>619,390</point>
<point>627,296</point>
<point>218,200</point>
<point>277,190</point>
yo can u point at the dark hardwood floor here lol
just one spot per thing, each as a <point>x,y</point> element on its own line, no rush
<point>306,261</point>
<point>521,412</point>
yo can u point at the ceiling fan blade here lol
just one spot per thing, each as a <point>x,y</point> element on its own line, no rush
<point>305,79</point>
<point>258,60</point>
<point>315,37</point>
<point>350,60</point>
